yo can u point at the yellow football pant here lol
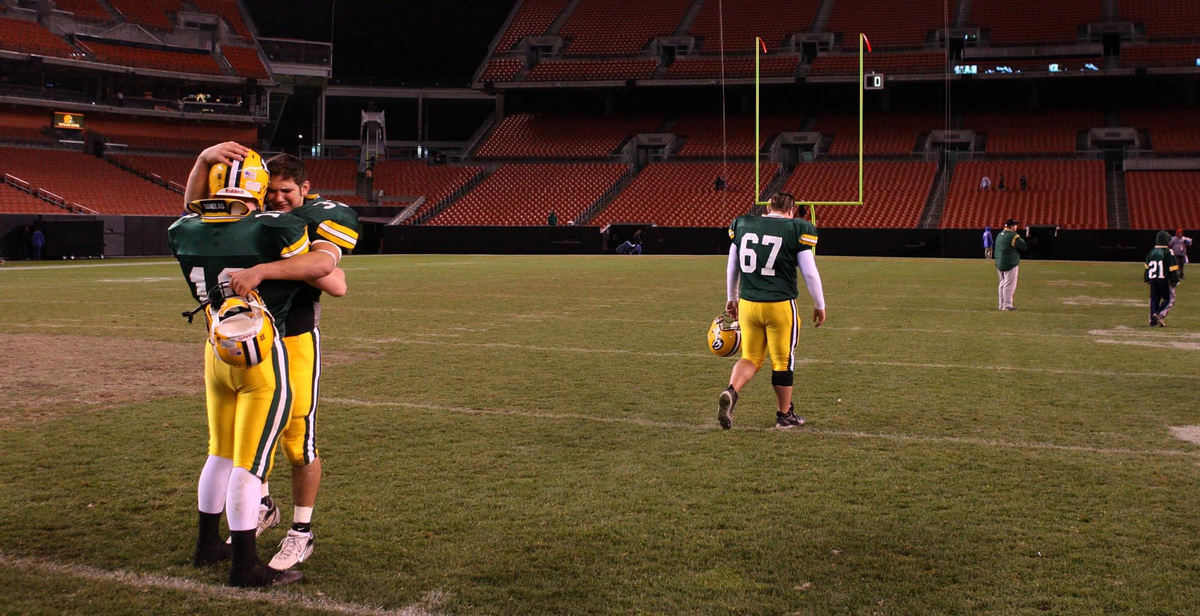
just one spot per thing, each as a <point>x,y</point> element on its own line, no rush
<point>769,329</point>
<point>299,440</point>
<point>247,408</point>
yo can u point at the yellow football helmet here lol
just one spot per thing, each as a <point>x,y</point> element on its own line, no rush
<point>724,336</point>
<point>241,330</point>
<point>247,178</point>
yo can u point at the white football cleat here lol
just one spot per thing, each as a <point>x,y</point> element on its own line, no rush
<point>294,548</point>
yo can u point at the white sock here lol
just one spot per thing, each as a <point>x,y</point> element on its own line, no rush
<point>302,515</point>
<point>214,481</point>
<point>241,500</point>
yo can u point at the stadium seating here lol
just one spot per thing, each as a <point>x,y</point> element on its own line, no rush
<point>502,69</point>
<point>736,67</point>
<point>85,10</point>
<point>619,27</point>
<point>1163,199</point>
<point>533,17</point>
<point>1172,131</point>
<point>104,187</point>
<point>150,13</point>
<point>14,201</point>
<point>704,139</point>
<point>414,178</point>
<point>161,59</point>
<point>1155,56</point>
<point>894,192</point>
<point>1163,18</point>
<point>592,70</point>
<point>522,194</point>
<point>887,23</point>
<point>681,194</point>
<point>1033,131</point>
<point>29,37</point>
<point>553,136</point>
<point>331,174</point>
<point>743,20</point>
<point>914,63</point>
<point>169,168</point>
<point>245,61</point>
<point>1067,193</point>
<point>1033,21</point>
<point>885,133</point>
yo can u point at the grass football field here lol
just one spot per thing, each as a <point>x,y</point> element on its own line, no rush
<point>538,435</point>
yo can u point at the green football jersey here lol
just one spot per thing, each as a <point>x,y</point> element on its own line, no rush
<point>768,250</point>
<point>330,221</point>
<point>1160,265</point>
<point>209,250</point>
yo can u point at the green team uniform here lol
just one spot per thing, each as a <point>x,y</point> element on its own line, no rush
<point>768,249</point>
<point>1008,250</point>
<point>208,249</point>
<point>333,222</point>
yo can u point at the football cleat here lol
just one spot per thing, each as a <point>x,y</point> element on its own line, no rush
<point>244,179</point>
<point>293,550</point>
<point>724,336</point>
<point>725,403</point>
<point>259,575</point>
<point>209,554</point>
<point>241,329</point>
<point>268,517</point>
<point>787,420</point>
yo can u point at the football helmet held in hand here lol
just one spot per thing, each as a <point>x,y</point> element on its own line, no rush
<point>724,336</point>
<point>241,329</point>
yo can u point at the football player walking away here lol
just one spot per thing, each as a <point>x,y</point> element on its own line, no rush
<point>1009,245</point>
<point>761,293</point>
<point>332,227</point>
<point>247,397</point>
<point>1161,274</point>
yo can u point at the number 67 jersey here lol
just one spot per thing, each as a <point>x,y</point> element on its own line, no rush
<point>767,248</point>
<point>209,248</point>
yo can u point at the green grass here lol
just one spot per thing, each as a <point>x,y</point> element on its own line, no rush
<point>537,435</point>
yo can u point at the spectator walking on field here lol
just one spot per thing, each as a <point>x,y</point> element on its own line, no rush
<point>37,241</point>
<point>1179,244</point>
<point>1161,273</point>
<point>988,242</point>
<point>1009,246</point>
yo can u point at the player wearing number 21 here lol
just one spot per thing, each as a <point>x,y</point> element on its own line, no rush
<point>247,405</point>
<point>761,291</point>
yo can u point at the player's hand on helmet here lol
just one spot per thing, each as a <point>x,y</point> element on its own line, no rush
<point>245,281</point>
<point>227,152</point>
<point>818,316</point>
<point>731,308</point>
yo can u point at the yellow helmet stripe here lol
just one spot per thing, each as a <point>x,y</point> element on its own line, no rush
<point>338,234</point>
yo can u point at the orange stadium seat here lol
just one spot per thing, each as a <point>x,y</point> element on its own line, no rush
<point>894,192</point>
<point>533,17</point>
<point>1155,56</point>
<point>586,70</point>
<point>1163,199</point>
<point>736,67</point>
<point>1033,21</point>
<point>331,174</point>
<point>619,27</point>
<point>1162,18</point>
<point>914,63</point>
<point>885,133</point>
<point>1032,131</point>
<point>887,23</point>
<point>169,168</point>
<point>245,61</point>
<point>522,194</point>
<point>1172,131</point>
<point>156,14</point>
<point>744,20</point>
<point>105,187</point>
<point>502,69</point>
<point>703,134</point>
<point>29,37</point>
<point>14,201</point>
<point>414,178</point>
<point>554,136</point>
<point>1067,193</point>
<point>681,194</point>
<point>84,10</point>
<point>161,59</point>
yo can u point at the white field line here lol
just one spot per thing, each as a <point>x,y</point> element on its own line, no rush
<point>854,434</point>
<point>94,263</point>
<point>284,599</point>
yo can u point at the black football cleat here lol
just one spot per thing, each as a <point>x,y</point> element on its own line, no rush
<point>725,403</point>
<point>261,576</point>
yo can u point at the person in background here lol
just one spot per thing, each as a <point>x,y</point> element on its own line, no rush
<point>1009,246</point>
<point>1000,182</point>
<point>985,183</point>
<point>1179,245</point>
<point>1024,183</point>
<point>552,219</point>
<point>1161,273</point>
<point>37,241</point>
<point>988,242</point>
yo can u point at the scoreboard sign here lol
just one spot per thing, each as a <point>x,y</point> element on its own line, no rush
<point>66,119</point>
<point>873,81</point>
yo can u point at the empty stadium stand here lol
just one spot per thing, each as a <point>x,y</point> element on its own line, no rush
<point>681,194</point>
<point>522,194</point>
<point>1163,19</point>
<point>743,20</point>
<point>29,37</point>
<point>104,187</point>
<point>555,136</point>
<point>619,27</point>
<point>161,59</point>
<point>1172,131</point>
<point>1016,22</point>
<point>703,134</point>
<point>245,61</point>
<point>502,69</point>
<point>894,192</point>
<point>885,133</point>
<point>1066,193</point>
<point>911,63</point>
<point>887,23</point>
<point>331,174</point>
<point>532,17</point>
<point>156,14</point>
<point>415,178</point>
<point>1034,131</point>
<point>1163,199</point>
<point>1160,56</point>
<point>14,201</point>
<point>618,69</point>
<point>85,10</point>
<point>735,67</point>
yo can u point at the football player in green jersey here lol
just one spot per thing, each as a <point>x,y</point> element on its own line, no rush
<point>248,402</point>
<point>1161,273</point>
<point>761,291</point>
<point>332,227</point>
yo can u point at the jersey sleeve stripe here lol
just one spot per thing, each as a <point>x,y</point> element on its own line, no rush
<point>808,240</point>
<point>299,248</point>
<point>338,234</point>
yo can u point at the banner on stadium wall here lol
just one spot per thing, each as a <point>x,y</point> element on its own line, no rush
<point>66,119</point>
